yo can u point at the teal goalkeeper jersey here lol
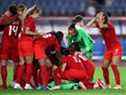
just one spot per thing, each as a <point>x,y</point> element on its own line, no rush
<point>84,39</point>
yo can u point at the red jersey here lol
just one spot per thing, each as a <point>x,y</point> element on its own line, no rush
<point>110,37</point>
<point>73,62</point>
<point>29,22</point>
<point>13,29</point>
<point>49,40</point>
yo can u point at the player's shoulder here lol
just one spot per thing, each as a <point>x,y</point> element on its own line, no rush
<point>29,19</point>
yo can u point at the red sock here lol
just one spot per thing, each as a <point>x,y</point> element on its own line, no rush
<point>44,75</point>
<point>116,73</point>
<point>19,72</point>
<point>106,75</point>
<point>28,76</point>
<point>35,76</point>
<point>39,78</point>
<point>88,84</point>
<point>4,75</point>
<point>57,76</point>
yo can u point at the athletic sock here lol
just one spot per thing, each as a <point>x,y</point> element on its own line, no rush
<point>106,75</point>
<point>29,67</point>
<point>116,73</point>
<point>19,72</point>
<point>4,75</point>
<point>44,75</point>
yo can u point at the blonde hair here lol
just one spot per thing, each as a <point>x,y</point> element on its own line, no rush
<point>21,7</point>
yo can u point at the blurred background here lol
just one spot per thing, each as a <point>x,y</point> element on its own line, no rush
<point>57,15</point>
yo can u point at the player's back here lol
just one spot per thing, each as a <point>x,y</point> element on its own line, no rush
<point>109,35</point>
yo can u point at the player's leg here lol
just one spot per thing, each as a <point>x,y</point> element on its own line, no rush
<point>116,59</point>
<point>3,71</point>
<point>35,72</point>
<point>4,56</point>
<point>39,50</point>
<point>15,58</point>
<point>44,74</point>
<point>19,73</point>
<point>28,71</point>
<point>104,66</point>
<point>57,75</point>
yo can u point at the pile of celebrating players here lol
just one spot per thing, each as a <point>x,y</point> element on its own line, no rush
<point>45,61</point>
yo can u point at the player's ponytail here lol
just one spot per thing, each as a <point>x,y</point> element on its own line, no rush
<point>13,9</point>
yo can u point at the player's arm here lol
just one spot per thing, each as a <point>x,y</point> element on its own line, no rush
<point>87,40</point>
<point>92,22</point>
<point>28,11</point>
<point>31,33</point>
<point>102,25</point>
<point>64,67</point>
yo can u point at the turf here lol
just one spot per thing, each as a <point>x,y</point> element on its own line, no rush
<point>98,74</point>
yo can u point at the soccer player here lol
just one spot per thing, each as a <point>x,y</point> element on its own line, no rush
<point>76,67</point>
<point>10,33</point>
<point>40,46</point>
<point>113,52</point>
<point>77,33</point>
<point>26,48</point>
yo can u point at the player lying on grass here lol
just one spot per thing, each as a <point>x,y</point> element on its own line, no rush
<point>76,67</point>
<point>113,53</point>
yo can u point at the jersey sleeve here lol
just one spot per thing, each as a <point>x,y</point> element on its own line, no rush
<point>88,41</point>
<point>69,39</point>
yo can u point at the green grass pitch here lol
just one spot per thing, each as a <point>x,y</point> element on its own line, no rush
<point>98,74</point>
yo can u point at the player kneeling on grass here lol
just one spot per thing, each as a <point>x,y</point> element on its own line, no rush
<point>40,46</point>
<point>76,67</point>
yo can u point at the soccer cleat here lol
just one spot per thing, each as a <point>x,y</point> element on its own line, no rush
<point>28,87</point>
<point>39,87</point>
<point>17,86</point>
<point>100,84</point>
<point>117,87</point>
<point>108,86</point>
<point>3,87</point>
<point>13,83</point>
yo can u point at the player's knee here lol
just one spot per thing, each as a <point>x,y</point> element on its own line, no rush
<point>3,63</point>
<point>116,60</point>
<point>41,61</point>
<point>104,65</point>
<point>21,62</point>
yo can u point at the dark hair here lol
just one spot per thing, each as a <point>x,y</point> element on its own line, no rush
<point>72,26</point>
<point>105,14</point>
<point>74,46</point>
<point>59,35</point>
<point>106,18</point>
<point>77,19</point>
<point>13,9</point>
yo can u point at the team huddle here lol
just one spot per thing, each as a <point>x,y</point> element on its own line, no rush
<point>44,60</point>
